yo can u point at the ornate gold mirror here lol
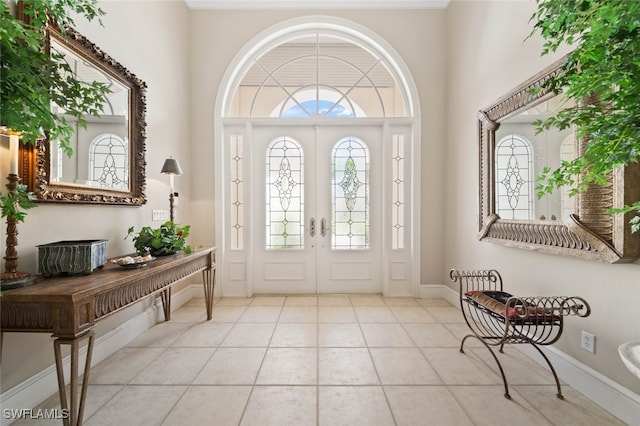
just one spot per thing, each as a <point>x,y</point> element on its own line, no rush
<point>513,155</point>
<point>108,161</point>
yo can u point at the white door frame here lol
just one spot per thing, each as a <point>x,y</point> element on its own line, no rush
<point>401,267</point>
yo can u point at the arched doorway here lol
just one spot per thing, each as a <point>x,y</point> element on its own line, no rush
<point>317,168</point>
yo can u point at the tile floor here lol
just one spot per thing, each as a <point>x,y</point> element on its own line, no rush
<point>322,360</point>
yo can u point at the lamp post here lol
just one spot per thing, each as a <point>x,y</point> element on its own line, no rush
<point>171,168</point>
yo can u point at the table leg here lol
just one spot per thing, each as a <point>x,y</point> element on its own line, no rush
<point>165,295</point>
<point>73,406</point>
<point>209,278</point>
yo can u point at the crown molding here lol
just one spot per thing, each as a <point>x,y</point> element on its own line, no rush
<point>314,4</point>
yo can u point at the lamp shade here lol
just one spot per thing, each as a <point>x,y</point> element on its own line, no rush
<point>171,167</point>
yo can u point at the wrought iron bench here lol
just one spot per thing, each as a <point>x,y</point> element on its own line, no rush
<point>497,318</point>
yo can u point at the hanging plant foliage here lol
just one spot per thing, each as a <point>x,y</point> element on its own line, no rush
<point>605,67</point>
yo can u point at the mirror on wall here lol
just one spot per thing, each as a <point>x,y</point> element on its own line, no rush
<point>108,161</point>
<point>513,156</point>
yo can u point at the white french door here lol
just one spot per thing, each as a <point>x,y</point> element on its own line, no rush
<point>316,209</point>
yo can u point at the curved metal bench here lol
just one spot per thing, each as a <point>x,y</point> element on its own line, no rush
<point>497,318</point>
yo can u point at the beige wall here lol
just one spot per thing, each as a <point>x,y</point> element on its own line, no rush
<point>417,36</point>
<point>462,59</point>
<point>487,57</point>
<point>152,43</point>
<point>182,56</point>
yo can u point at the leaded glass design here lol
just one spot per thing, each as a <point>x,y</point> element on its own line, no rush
<point>350,195</point>
<point>397,192</point>
<point>514,198</point>
<point>109,161</point>
<point>285,192</point>
<point>237,192</point>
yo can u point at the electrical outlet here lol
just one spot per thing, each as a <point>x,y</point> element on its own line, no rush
<point>160,215</point>
<point>588,342</point>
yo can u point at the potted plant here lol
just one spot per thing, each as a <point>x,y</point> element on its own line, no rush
<point>605,66</point>
<point>169,238</point>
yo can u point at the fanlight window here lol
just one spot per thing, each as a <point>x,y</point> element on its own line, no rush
<point>308,103</point>
<point>285,194</point>
<point>514,183</point>
<point>318,74</point>
<point>109,161</point>
<point>350,195</point>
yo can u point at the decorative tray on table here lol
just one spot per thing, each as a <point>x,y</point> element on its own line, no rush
<point>133,262</point>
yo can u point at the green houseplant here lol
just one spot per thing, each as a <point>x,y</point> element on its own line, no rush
<point>169,238</point>
<point>13,203</point>
<point>604,65</point>
<point>33,78</point>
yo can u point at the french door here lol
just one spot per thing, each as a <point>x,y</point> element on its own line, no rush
<point>316,209</point>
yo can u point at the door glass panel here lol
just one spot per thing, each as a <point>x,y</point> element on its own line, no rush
<point>350,195</point>
<point>285,192</point>
<point>397,192</point>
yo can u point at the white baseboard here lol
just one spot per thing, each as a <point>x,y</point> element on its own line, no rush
<point>43,384</point>
<point>428,291</point>
<point>608,394</point>
<point>613,397</point>
<point>439,291</point>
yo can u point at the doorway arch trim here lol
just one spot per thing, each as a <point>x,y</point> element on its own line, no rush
<point>229,267</point>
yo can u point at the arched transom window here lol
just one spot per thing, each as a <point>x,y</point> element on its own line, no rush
<point>318,73</point>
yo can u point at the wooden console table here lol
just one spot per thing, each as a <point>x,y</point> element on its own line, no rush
<point>69,306</point>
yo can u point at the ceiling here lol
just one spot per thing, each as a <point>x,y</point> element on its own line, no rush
<point>316,4</point>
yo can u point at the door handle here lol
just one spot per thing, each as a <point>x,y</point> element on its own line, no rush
<point>312,227</point>
<point>323,227</point>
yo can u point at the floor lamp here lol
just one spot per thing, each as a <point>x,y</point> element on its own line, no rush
<point>171,168</point>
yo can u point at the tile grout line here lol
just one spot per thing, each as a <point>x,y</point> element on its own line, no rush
<point>255,379</point>
<point>455,392</point>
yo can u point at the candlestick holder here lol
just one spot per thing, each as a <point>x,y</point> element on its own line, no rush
<point>12,278</point>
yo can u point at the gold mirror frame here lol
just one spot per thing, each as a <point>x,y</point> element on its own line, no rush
<point>591,233</point>
<point>35,164</point>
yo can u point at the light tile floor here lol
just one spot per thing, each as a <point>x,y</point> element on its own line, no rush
<point>322,360</point>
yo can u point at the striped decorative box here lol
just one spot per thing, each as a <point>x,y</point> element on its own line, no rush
<point>71,257</point>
